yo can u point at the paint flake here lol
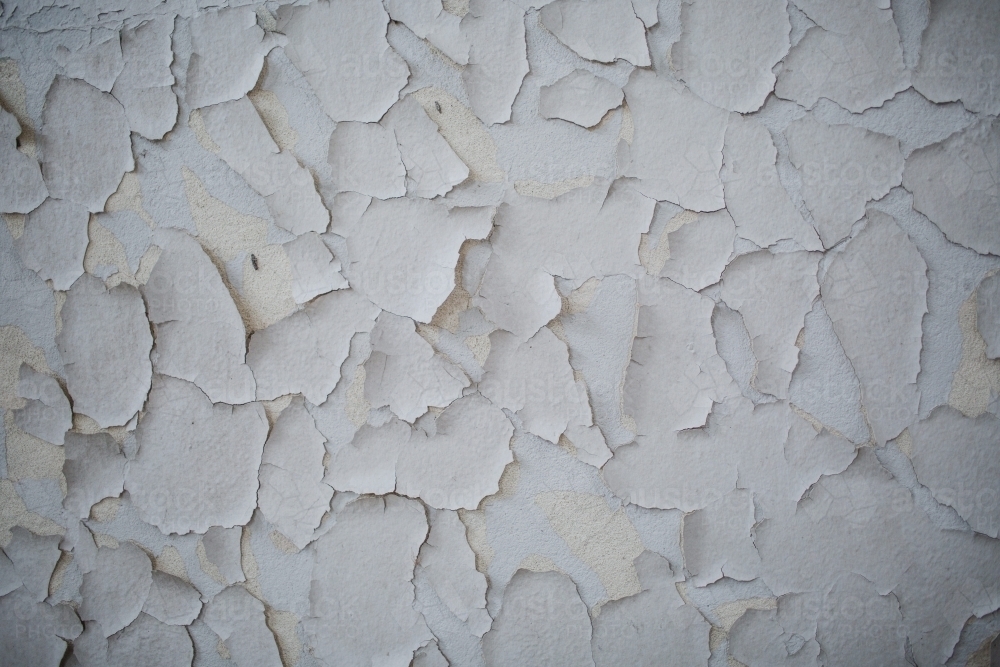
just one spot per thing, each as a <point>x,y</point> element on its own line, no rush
<point>454,467</point>
<point>116,589</point>
<point>171,600</point>
<point>601,30</point>
<point>759,204</point>
<point>149,642</point>
<point>579,97</point>
<point>46,414</point>
<point>773,293</point>
<point>588,232</point>
<point>404,251</point>
<point>363,570</point>
<point>955,457</point>
<point>192,493</point>
<point>852,56</point>
<point>652,627</point>
<point>671,121</point>
<point>954,183</point>
<point>699,249</point>
<point>341,49</point>
<point>99,64</point>
<point>292,495</point>
<point>199,333</point>
<point>675,375</point>
<point>959,55</point>
<point>875,292</point>
<point>863,521</point>
<point>432,167</point>
<point>557,632</point>
<point>84,143</point>
<point>365,159</point>
<point>727,51</point>
<point>315,270</point>
<point>22,186</point>
<point>94,470</point>
<point>54,626</point>
<point>34,557</point>
<point>534,380</point>
<point>498,59</point>
<point>404,373</point>
<point>302,353</point>
<point>429,20</point>
<point>843,168</point>
<point>238,618</point>
<point>768,448</point>
<point>144,86</point>
<point>228,49</point>
<point>718,540</point>
<point>105,344</point>
<point>287,187</point>
<point>451,566</point>
<point>54,242</point>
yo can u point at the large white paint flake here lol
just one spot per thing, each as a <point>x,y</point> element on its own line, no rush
<point>588,232</point>
<point>404,251</point>
<point>760,206</point>
<point>432,167</point>
<point>199,333</point>
<point>302,353</point>
<point>46,413</point>
<point>954,183</point>
<point>54,241</point>
<point>579,97</point>
<point>601,30</point>
<point>288,188</point>
<point>773,293</point>
<point>292,495</point>
<point>654,626</point>
<point>362,571</point>
<point>852,56</point>
<point>875,292</point>
<point>497,57</point>
<point>228,49</point>
<point>105,344</point>
<point>85,143</point>
<point>23,188</point>
<point>144,85</point>
<point>405,373</point>
<point>453,467</point>
<point>340,48</point>
<point>543,621</point>
<point>676,152</point>
<point>959,55</point>
<point>843,168</point>
<point>955,457</point>
<point>727,50</point>
<point>197,462</point>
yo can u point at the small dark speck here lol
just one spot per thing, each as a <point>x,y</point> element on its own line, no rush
<point>437,105</point>
<point>253,260</point>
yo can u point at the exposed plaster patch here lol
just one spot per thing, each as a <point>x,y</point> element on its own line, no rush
<point>603,539</point>
<point>265,295</point>
<point>551,190</point>
<point>465,133</point>
<point>13,96</point>
<point>976,386</point>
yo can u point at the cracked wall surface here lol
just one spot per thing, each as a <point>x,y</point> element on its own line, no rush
<point>392,333</point>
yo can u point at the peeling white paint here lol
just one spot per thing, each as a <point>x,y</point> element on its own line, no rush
<point>475,332</point>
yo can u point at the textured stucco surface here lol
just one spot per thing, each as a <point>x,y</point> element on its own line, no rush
<point>500,332</point>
